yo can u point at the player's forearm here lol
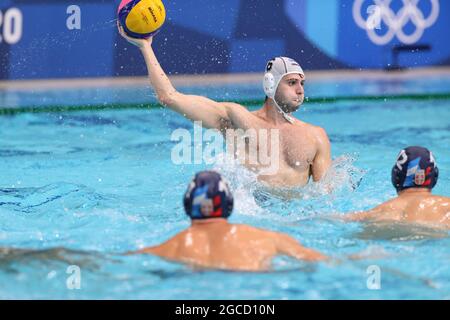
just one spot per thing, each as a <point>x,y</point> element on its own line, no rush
<point>158,78</point>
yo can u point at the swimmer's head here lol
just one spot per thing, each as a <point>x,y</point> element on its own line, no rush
<point>283,82</point>
<point>208,196</point>
<point>415,168</point>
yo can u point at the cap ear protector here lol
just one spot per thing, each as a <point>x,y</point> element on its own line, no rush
<point>208,187</point>
<point>414,164</point>
<point>434,172</point>
<point>396,173</point>
<point>269,85</point>
<point>436,176</point>
<point>269,81</point>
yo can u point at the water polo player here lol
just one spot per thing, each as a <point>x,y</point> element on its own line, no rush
<point>302,150</point>
<point>212,242</point>
<point>414,175</point>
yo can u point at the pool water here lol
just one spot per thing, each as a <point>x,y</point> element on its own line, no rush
<point>80,188</point>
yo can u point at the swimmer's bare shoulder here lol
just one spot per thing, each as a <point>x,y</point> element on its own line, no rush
<point>245,232</point>
<point>167,249</point>
<point>285,244</point>
<point>387,207</point>
<point>444,210</point>
<point>435,205</point>
<point>319,134</point>
<point>430,201</point>
<point>441,199</point>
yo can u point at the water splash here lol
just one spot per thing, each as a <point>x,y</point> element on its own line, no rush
<point>243,183</point>
<point>254,198</point>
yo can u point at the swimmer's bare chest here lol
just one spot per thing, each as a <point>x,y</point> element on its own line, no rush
<point>297,152</point>
<point>293,147</point>
<point>298,147</point>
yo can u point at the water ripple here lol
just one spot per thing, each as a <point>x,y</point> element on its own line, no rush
<point>49,198</point>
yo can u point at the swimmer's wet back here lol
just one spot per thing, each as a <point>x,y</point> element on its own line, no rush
<point>211,242</point>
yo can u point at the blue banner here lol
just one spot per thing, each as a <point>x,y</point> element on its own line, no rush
<point>42,39</point>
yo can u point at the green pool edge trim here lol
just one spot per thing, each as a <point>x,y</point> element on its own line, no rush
<point>244,102</point>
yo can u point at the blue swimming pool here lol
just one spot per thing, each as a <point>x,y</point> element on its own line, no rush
<point>79,188</point>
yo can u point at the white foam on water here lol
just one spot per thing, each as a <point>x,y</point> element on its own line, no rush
<point>254,198</point>
<point>242,181</point>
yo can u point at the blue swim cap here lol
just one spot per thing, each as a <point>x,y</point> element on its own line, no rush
<point>208,196</point>
<point>415,168</point>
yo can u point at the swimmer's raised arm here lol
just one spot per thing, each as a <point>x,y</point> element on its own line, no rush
<point>291,247</point>
<point>196,108</point>
<point>322,160</point>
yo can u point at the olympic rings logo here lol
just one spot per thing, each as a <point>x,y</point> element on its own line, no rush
<point>395,22</point>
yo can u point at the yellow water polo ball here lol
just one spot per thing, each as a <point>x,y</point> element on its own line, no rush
<point>141,18</point>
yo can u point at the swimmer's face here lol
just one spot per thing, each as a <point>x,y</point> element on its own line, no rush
<point>206,207</point>
<point>290,92</point>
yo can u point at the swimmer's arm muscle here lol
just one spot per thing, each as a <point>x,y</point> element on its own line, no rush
<point>291,247</point>
<point>364,215</point>
<point>166,250</point>
<point>322,160</point>
<point>196,108</point>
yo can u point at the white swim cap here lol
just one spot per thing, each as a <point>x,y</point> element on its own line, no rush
<point>276,69</point>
